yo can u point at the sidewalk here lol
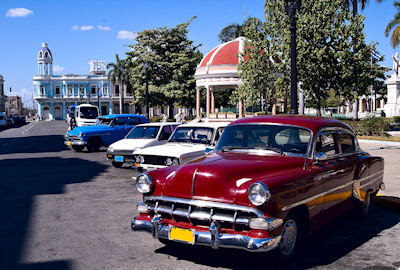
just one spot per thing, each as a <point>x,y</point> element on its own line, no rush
<point>390,151</point>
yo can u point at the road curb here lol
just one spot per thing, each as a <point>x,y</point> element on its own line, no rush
<point>389,143</point>
<point>388,201</point>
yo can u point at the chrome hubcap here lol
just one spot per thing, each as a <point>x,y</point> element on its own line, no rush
<point>289,236</point>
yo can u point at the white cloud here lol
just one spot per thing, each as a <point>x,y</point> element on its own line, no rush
<point>104,28</point>
<point>124,34</point>
<point>18,12</point>
<point>58,69</point>
<point>82,27</point>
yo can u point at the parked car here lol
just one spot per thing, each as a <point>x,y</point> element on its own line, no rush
<point>85,115</point>
<point>3,120</point>
<point>188,142</point>
<point>269,182</point>
<point>109,129</point>
<point>139,137</point>
<point>10,122</point>
<point>19,119</point>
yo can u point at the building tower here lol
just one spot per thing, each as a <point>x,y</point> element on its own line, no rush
<point>45,61</point>
<point>2,96</point>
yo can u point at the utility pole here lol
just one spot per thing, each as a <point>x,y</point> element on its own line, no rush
<point>290,7</point>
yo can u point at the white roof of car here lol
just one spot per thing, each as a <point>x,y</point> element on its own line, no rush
<point>203,124</point>
<point>86,105</point>
<point>158,124</point>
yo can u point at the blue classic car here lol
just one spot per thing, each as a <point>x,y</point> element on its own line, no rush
<point>109,129</point>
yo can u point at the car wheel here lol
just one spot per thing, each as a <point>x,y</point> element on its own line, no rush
<point>93,145</point>
<point>364,206</point>
<point>78,148</point>
<point>293,233</point>
<point>117,164</point>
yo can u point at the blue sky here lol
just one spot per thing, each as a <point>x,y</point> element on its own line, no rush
<point>84,30</point>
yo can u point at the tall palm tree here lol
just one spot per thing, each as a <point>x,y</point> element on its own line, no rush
<point>118,72</point>
<point>395,26</point>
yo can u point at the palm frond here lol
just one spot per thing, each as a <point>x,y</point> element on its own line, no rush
<point>395,38</point>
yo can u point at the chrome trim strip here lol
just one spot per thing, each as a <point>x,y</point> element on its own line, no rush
<point>209,204</point>
<point>290,206</point>
<point>224,240</point>
<point>194,179</point>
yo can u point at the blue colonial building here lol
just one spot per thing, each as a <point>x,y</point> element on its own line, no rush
<point>54,93</point>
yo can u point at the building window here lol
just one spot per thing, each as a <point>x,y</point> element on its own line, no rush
<point>70,91</point>
<point>105,89</point>
<point>42,90</point>
<point>58,92</point>
<point>117,90</point>
<point>81,90</point>
<point>93,90</point>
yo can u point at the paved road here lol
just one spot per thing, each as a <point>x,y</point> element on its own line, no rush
<point>65,210</point>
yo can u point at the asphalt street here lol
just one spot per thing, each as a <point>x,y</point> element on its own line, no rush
<point>65,210</point>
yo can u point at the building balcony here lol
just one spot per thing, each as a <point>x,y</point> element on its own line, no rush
<point>39,96</point>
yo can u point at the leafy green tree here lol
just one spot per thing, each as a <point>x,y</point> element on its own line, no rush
<point>394,25</point>
<point>118,72</point>
<point>234,30</point>
<point>173,59</point>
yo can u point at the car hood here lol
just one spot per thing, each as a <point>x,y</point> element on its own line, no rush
<point>172,149</point>
<point>226,177</point>
<point>131,144</point>
<point>89,129</point>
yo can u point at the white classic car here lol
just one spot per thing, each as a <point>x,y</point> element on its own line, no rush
<point>188,142</point>
<point>141,136</point>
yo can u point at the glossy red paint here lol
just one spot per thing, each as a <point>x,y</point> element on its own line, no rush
<point>324,188</point>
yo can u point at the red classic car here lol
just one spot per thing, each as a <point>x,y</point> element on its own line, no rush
<point>269,182</point>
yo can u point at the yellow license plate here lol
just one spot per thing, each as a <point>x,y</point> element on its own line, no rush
<point>183,235</point>
<point>68,143</point>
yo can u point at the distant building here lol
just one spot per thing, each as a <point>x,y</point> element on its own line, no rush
<point>13,105</point>
<point>54,93</point>
<point>2,96</point>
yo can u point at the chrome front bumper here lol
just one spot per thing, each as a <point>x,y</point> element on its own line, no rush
<point>213,238</point>
<point>75,142</point>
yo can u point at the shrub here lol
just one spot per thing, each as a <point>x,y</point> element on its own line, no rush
<point>374,126</point>
<point>396,119</point>
<point>156,119</point>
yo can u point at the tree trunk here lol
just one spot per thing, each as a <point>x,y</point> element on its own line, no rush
<point>171,110</point>
<point>355,109</point>
<point>318,97</point>
<point>274,106</point>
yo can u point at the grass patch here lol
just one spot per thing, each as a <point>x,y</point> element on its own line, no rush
<point>380,138</point>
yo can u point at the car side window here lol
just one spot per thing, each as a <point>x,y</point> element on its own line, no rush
<point>121,121</point>
<point>347,143</point>
<point>218,135</point>
<point>132,121</point>
<point>326,143</point>
<point>165,133</point>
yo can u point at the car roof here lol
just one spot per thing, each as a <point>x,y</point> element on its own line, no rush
<point>159,124</point>
<point>311,122</point>
<point>86,105</point>
<point>204,124</point>
<point>110,116</point>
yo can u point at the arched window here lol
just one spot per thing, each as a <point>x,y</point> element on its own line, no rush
<point>46,54</point>
<point>40,54</point>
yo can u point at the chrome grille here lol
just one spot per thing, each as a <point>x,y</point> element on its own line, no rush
<point>199,212</point>
<point>74,138</point>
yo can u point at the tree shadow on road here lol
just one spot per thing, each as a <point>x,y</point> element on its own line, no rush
<point>49,143</point>
<point>20,181</point>
<point>323,247</point>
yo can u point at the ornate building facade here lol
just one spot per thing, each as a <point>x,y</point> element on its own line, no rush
<point>54,93</point>
<point>2,96</point>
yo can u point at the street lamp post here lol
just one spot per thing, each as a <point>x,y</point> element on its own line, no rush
<point>146,67</point>
<point>290,8</point>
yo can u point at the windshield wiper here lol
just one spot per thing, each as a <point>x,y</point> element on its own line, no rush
<point>274,149</point>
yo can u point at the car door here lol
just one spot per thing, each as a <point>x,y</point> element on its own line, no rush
<point>119,128</point>
<point>335,175</point>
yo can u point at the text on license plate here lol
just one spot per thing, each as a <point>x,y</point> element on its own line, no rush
<point>119,158</point>
<point>183,235</point>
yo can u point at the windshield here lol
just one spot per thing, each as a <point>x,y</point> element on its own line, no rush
<point>276,138</point>
<point>143,132</point>
<point>88,112</point>
<point>192,134</point>
<point>104,121</point>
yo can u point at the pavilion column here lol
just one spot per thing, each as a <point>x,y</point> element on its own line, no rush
<point>208,102</point>
<point>212,100</point>
<point>240,109</point>
<point>198,115</point>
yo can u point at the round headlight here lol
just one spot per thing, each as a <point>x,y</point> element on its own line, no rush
<point>139,159</point>
<point>168,162</point>
<point>258,194</point>
<point>143,183</point>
